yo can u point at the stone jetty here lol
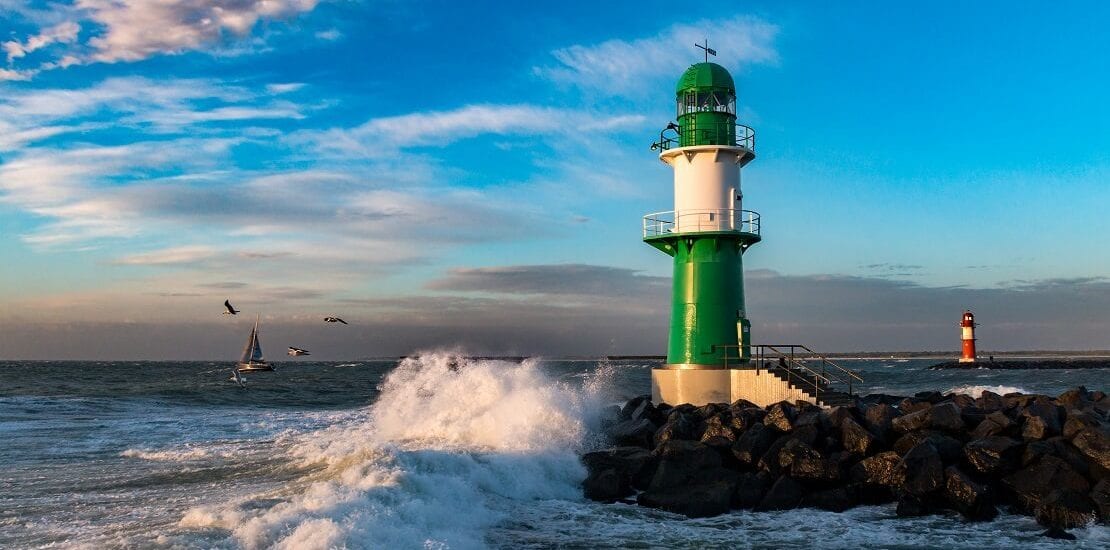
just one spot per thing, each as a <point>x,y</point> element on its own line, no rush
<point>1048,457</point>
<point>1026,364</point>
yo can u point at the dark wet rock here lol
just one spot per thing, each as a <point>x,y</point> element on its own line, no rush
<point>750,489</point>
<point>990,402</point>
<point>994,455</point>
<point>814,419</point>
<point>879,420</point>
<point>705,412</point>
<point>1057,533</point>
<point>680,425</point>
<point>808,434</point>
<point>635,433</point>
<point>1059,448</point>
<point>743,404</point>
<point>609,417</point>
<point>995,423</point>
<point>634,465</point>
<point>784,494</point>
<point>1078,421</point>
<point>836,416</point>
<point>719,425</point>
<point>855,438</point>
<point>647,411</point>
<point>946,416</point>
<point>633,404</point>
<point>684,462</point>
<point>780,416</point>
<point>744,418</point>
<point>1042,419</point>
<point>931,397</point>
<point>973,500</point>
<point>1064,509</point>
<point>696,501</point>
<point>1073,397</point>
<point>837,499</point>
<point>881,469</point>
<point>751,446</point>
<point>606,485</point>
<point>910,505</point>
<point>1095,445</point>
<point>794,451</point>
<point>912,404</point>
<point>950,449</point>
<point>1031,485</point>
<point>911,422</point>
<point>769,462</point>
<point>1100,496</point>
<point>922,470</point>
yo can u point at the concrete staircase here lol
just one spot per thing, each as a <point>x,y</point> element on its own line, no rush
<point>823,394</point>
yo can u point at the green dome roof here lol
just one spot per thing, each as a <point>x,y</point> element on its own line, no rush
<point>705,75</point>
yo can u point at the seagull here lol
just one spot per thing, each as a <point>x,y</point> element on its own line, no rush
<point>334,320</point>
<point>298,351</point>
<point>230,309</point>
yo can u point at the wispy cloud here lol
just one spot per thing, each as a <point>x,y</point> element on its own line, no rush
<point>552,280</point>
<point>170,256</point>
<point>631,67</point>
<point>62,33</point>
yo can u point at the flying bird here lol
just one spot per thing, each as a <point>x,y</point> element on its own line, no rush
<point>298,351</point>
<point>334,320</point>
<point>230,310</point>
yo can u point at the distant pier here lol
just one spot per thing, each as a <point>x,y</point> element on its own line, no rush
<point>1027,364</point>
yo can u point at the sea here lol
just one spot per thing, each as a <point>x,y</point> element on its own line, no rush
<point>430,452</point>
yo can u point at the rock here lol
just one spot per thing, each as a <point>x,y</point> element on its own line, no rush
<point>994,455</point>
<point>911,422</point>
<point>931,397</point>
<point>609,417</point>
<point>995,423</point>
<point>634,465</point>
<point>1034,428</point>
<point>769,462</point>
<point>972,500</point>
<point>1074,396</point>
<point>836,416</point>
<point>680,425</point>
<point>946,416</point>
<point>1042,419</point>
<point>1100,496</point>
<point>855,438</point>
<point>1031,485</point>
<point>695,501</point>
<point>785,494</point>
<point>949,448</point>
<point>751,446</point>
<point>683,463</point>
<point>911,506</point>
<point>911,405</point>
<point>1064,509</point>
<point>1078,421</point>
<point>812,419</point>
<point>705,412</point>
<point>646,410</point>
<point>750,489</point>
<point>634,433</point>
<point>1057,533</point>
<point>744,404</point>
<point>990,401</point>
<point>1095,445</point>
<point>632,404</point>
<point>720,425</point>
<point>780,416</point>
<point>881,469</point>
<point>1059,448</point>
<point>922,470</point>
<point>606,486</point>
<point>837,499</point>
<point>879,420</point>
<point>794,451</point>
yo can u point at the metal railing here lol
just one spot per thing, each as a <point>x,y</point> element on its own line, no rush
<point>687,221</point>
<point>716,133</point>
<point>800,365</point>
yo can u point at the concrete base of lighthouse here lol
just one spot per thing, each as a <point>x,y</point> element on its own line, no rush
<point>702,386</point>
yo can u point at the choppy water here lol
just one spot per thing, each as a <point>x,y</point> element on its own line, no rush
<point>376,455</point>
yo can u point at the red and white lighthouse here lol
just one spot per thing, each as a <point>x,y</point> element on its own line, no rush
<point>967,328</point>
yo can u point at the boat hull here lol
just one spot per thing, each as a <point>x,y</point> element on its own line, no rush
<point>252,367</point>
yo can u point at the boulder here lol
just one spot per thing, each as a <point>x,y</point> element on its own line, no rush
<point>683,463</point>
<point>647,410</point>
<point>751,446</point>
<point>881,469</point>
<point>972,500</point>
<point>632,404</point>
<point>1078,421</point>
<point>793,452</point>
<point>1057,533</point>
<point>784,494</point>
<point>931,397</point>
<point>750,489</point>
<point>719,425</point>
<point>1042,419</point>
<point>1074,397</point>
<point>1031,485</point>
<point>696,501</point>
<point>911,422</point>
<point>922,470</point>
<point>634,465</point>
<point>912,405</point>
<point>680,425</point>
<point>836,416</point>
<point>744,418</point>
<point>837,499</point>
<point>1064,509</point>
<point>855,438</point>
<point>946,416</point>
<point>989,401</point>
<point>912,506</point>
<point>1100,496</point>
<point>606,485</point>
<point>634,433</point>
<point>949,448</point>
<point>1095,445</point>
<point>995,423</point>
<point>994,455</point>
<point>1059,448</point>
<point>769,462</point>
<point>780,416</point>
<point>812,419</point>
<point>879,420</point>
<point>709,410</point>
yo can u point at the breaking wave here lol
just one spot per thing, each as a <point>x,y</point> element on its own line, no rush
<point>976,391</point>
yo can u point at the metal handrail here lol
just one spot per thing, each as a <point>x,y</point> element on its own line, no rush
<point>794,362</point>
<point>708,219</point>
<point>717,133</point>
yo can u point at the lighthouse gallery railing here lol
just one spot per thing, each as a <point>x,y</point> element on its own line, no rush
<point>719,133</point>
<point>695,220</point>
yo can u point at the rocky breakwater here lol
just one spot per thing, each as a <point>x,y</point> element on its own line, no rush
<point>931,453</point>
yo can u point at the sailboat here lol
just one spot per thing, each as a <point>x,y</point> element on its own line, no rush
<point>252,354</point>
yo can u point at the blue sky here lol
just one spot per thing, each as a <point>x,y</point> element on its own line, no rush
<point>475,175</point>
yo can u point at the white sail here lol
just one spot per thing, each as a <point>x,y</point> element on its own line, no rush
<point>252,352</point>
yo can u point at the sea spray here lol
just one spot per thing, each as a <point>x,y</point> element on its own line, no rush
<point>448,449</point>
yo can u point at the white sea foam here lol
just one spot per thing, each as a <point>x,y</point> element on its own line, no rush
<point>976,391</point>
<point>167,455</point>
<point>449,449</point>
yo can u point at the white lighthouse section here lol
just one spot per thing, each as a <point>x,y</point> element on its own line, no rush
<point>706,187</point>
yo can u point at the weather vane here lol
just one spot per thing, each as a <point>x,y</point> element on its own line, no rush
<point>708,51</point>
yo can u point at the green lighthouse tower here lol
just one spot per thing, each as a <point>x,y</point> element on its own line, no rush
<point>706,234</point>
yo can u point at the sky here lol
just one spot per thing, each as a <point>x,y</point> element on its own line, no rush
<point>473,176</point>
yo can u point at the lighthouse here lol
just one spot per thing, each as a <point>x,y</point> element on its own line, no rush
<point>967,332</point>
<point>706,235</point>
